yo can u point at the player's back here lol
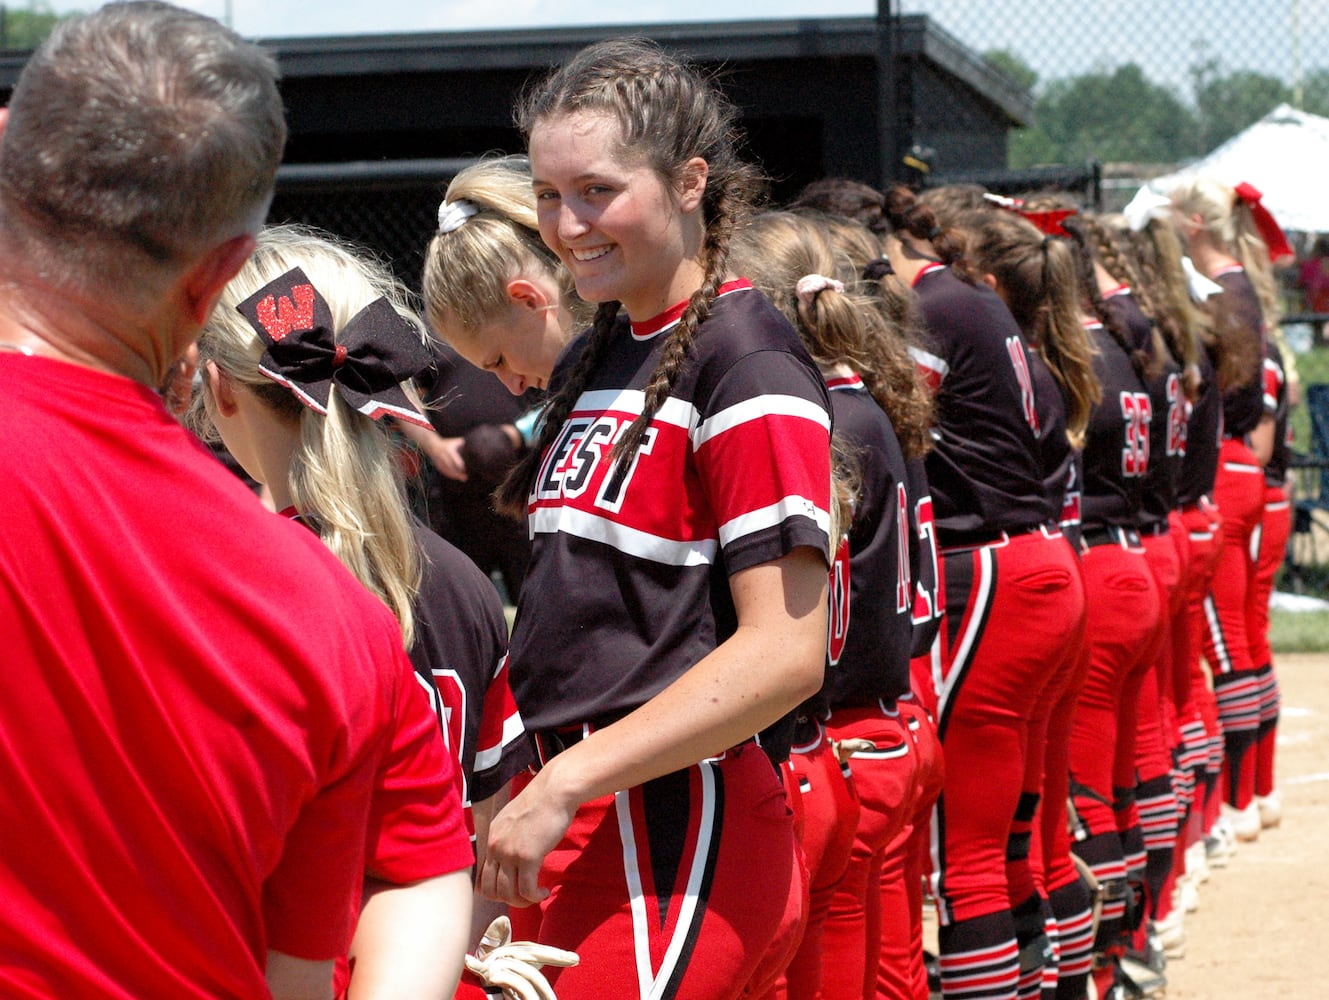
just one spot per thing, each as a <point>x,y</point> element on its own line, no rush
<point>198,700</point>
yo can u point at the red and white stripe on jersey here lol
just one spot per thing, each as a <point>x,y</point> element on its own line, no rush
<point>1071,509</point>
<point>1178,415</point>
<point>838,607</point>
<point>932,368</point>
<point>500,723</point>
<point>927,606</point>
<point>1272,383</point>
<point>575,492</point>
<point>1015,350</point>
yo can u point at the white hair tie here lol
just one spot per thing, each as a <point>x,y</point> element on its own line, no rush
<point>1145,206</point>
<point>453,214</point>
<point>811,285</point>
<point>1202,288</point>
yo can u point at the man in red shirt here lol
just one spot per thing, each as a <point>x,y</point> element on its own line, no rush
<point>209,726</point>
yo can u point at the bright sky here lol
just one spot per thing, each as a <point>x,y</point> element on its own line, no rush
<point>1056,37</point>
<point>286,18</point>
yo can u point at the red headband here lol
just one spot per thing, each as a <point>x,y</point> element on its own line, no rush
<point>1269,229</point>
<point>1048,223</point>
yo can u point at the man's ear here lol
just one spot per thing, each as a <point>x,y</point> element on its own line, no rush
<point>4,120</point>
<point>527,294</point>
<point>988,278</point>
<point>693,184</point>
<point>205,281</point>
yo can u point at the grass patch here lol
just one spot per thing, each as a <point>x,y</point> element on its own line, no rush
<point>1299,631</point>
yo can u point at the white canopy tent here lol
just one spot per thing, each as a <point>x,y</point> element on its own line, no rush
<point>1286,155</point>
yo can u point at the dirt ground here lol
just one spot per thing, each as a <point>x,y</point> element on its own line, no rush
<point>1262,929</point>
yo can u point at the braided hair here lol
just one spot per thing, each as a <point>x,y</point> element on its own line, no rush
<point>1166,296</point>
<point>1087,237</point>
<point>668,113</point>
<point>907,213</point>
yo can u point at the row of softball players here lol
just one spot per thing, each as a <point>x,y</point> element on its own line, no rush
<point>1178,414</point>
<point>642,671</point>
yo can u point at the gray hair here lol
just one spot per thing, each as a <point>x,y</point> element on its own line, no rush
<point>140,127</point>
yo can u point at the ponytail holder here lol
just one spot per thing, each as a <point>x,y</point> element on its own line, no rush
<point>1201,288</point>
<point>378,349</point>
<point>1270,231</point>
<point>934,232</point>
<point>453,214</point>
<point>811,285</point>
<point>1146,206</point>
<point>877,268</point>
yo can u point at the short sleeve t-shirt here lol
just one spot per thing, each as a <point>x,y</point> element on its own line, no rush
<point>983,468</point>
<point>205,705</point>
<point>874,662</point>
<point>628,584</point>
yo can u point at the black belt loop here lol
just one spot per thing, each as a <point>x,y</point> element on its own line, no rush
<point>1127,538</point>
<point>549,743</point>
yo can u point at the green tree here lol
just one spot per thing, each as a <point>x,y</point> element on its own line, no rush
<point>26,28</point>
<point>1007,62</point>
<point>1111,116</point>
<point>1315,93</point>
<point>1228,104</point>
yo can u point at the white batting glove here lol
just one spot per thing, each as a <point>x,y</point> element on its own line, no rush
<point>514,966</point>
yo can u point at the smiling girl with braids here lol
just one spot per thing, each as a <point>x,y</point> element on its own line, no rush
<point>678,497</point>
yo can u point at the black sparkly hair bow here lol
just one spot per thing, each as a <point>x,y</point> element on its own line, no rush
<point>378,350</point>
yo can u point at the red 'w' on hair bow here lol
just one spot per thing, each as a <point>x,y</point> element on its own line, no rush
<point>1269,229</point>
<point>377,351</point>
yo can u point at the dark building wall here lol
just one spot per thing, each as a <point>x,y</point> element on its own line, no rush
<point>360,109</point>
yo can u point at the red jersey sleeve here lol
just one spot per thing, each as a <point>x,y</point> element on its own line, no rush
<point>763,448</point>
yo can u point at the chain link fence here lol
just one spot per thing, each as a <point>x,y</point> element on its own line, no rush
<point>1141,83</point>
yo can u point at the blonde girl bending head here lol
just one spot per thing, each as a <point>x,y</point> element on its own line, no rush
<point>493,290</point>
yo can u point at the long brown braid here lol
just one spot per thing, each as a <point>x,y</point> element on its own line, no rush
<point>1084,241</point>
<point>668,114</point>
<point>906,213</point>
<point>1175,316</point>
<point>1194,327</point>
